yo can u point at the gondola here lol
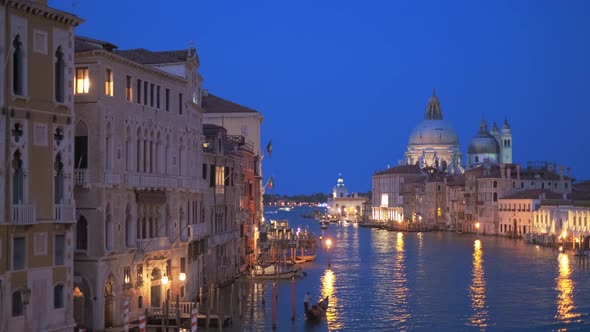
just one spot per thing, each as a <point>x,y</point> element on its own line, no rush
<point>318,311</point>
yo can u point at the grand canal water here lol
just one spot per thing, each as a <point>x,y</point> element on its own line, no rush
<point>388,281</point>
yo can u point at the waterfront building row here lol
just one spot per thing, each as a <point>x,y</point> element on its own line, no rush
<point>117,183</point>
<point>491,195</point>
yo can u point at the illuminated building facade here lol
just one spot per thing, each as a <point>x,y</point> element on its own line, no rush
<point>36,166</point>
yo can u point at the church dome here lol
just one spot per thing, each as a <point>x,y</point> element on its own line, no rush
<point>483,141</point>
<point>433,130</point>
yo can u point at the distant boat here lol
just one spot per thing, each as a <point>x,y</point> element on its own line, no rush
<point>274,271</point>
<point>318,311</point>
<point>285,208</point>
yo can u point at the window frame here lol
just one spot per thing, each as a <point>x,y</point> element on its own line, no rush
<point>82,76</point>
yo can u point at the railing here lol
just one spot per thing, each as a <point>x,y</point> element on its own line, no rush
<point>184,310</point>
<point>64,213</point>
<point>110,178</point>
<point>23,214</point>
<point>153,244</point>
<point>81,176</point>
<point>198,231</point>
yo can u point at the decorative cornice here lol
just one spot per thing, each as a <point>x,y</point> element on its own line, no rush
<point>35,9</point>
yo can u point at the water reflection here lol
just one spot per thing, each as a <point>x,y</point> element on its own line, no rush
<point>328,280</point>
<point>477,290</point>
<point>565,288</point>
<point>400,286</point>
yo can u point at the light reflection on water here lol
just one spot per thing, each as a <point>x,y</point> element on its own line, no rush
<point>565,289</point>
<point>328,280</point>
<point>477,290</point>
<point>385,281</point>
<point>400,286</point>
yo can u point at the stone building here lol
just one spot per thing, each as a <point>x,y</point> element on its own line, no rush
<point>516,211</point>
<point>239,120</point>
<point>345,205</point>
<point>493,146</point>
<point>139,188</point>
<point>222,169</point>
<point>36,166</point>
<point>390,193</point>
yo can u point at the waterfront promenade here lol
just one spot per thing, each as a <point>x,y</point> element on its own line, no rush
<point>436,281</point>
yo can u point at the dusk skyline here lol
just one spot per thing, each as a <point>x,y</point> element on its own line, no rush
<point>341,86</point>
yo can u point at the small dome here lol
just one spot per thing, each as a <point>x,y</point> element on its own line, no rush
<point>433,132</point>
<point>483,142</point>
<point>495,129</point>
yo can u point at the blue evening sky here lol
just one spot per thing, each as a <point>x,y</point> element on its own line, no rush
<point>342,83</point>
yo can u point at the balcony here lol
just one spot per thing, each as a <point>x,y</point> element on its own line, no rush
<point>151,181</point>
<point>112,179</point>
<point>222,238</point>
<point>153,244</point>
<point>81,176</point>
<point>23,214</point>
<point>198,231</point>
<point>64,213</point>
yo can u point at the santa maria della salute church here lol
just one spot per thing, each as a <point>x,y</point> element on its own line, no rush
<point>434,143</point>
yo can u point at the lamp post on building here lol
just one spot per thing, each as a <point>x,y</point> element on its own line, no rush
<point>477,228</point>
<point>25,294</point>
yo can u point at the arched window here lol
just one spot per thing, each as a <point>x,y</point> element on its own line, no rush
<point>140,302</point>
<point>495,184</point>
<point>495,196</point>
<point>59,75</point>
<point>17,303</point>
<point>82,234</point>
<point>139,150</point>
<point>108,232</point>
<point>18,178</point>
<point>108,148</point>
<point>81,146</point>
<point>18,62</point>
<point>129,231</point>
<point>128,150</point>
<point>58,179</point>
<point>58,296</point>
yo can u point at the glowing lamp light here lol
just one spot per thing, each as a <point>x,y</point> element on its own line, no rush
<point>477,225</point>
<point>328,242</point>
<point>182,276</point>
<point>164,280</point>
<point>564,234</point>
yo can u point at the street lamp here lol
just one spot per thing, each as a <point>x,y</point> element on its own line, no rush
<point>477,228</point>
<point>328,245</point>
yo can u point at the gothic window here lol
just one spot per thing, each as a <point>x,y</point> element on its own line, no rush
<point>129,233</point>
<point>108,232</point>
<point>18,75</point>
<point>108,148</point>
<point>58,179</point>
<point>82,234</point>
<point>59,75</point>
<point>81,146</point>
<point>17,178</point>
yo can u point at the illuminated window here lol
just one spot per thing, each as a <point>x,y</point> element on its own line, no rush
<point>438,212</point>
<point>108,87</point>
<point>128,89</point>
<point>384,199</point>
<point>82,80</point>
<point>219,176</point>
<point>139,275</point>
<point>127,276</point>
